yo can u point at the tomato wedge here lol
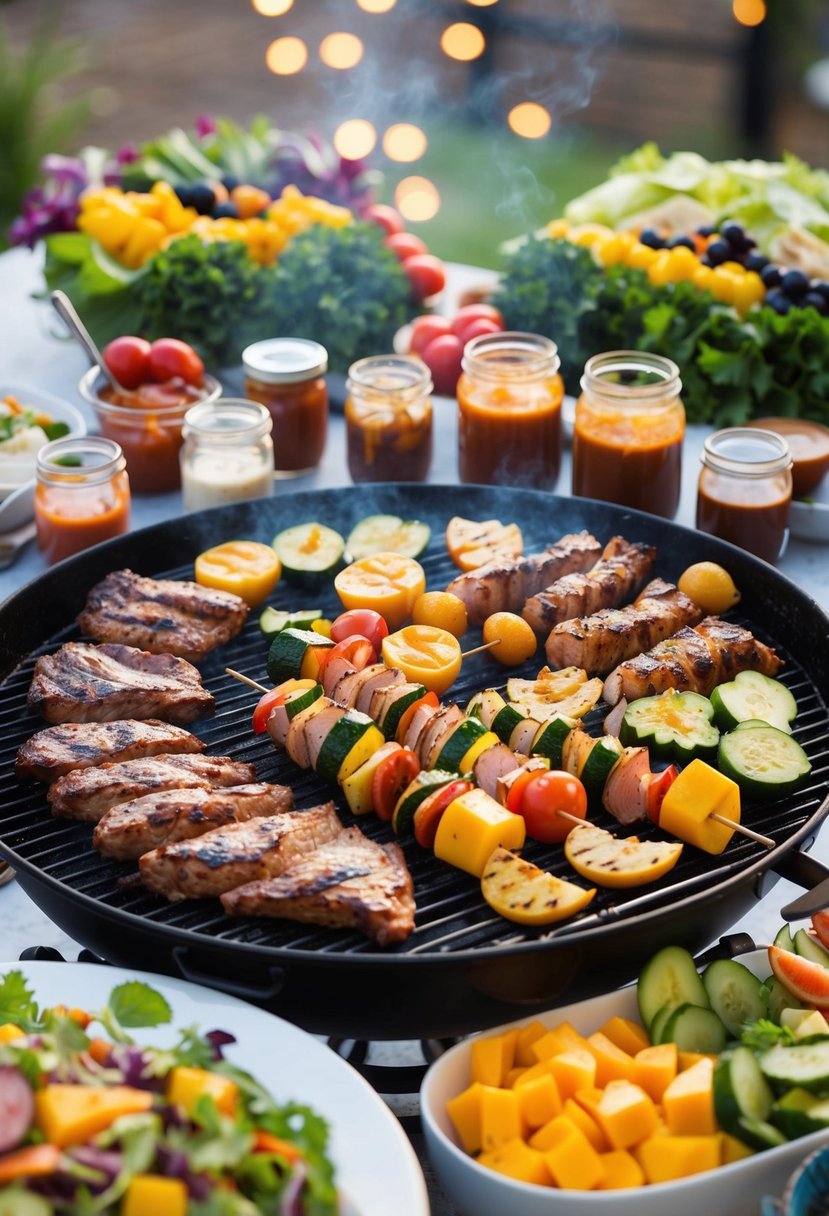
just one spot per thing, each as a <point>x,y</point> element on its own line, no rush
<point>364,622</point>
<point>820,924</point>
<point>428,814</point>
<point>390,779</point>
<point>356,649</point>
<point>429,698</point>
<point>267,704</point>
<point>515,795</point>
<point>658,786</point>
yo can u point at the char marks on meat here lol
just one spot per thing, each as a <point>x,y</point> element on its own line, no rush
<point>88,793</point>
<point>695,659</point>
<point>85,683</point>
<point>167,816</point>
<point>58,750</point>
<point>165,616</point>
<point>238,853</point>
<point>613,579</point>
<point>598,643</point>
<point>505,586</point>
<point>350,883</point>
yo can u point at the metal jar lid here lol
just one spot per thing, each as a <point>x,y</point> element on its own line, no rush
<point>285,360</point>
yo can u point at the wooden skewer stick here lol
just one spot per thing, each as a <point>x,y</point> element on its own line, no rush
<point>478,649</point>
<point>728,823</point>
<point>237,675</point>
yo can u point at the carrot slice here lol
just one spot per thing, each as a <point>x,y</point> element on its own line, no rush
<point>35,1161</point>
<point>266,1142</point>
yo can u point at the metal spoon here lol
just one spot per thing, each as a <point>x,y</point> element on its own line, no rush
<point>65,309</point>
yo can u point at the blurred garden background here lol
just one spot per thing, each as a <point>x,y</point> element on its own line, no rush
<point>488,115</point>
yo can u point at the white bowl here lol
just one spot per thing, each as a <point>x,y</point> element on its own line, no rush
<point>731,1190</point>
<point>17,500</point>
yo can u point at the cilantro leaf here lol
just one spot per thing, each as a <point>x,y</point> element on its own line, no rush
<point>137,1004</point>
<point>17,1002</point>
<point>763,1034</point>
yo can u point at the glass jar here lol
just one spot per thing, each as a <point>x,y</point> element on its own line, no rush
<point>227,454</point>
<point>82,495</point>
<point>287,376</point>
<point>628,432</point>
<point>388,419</point>
<point>744,491</point>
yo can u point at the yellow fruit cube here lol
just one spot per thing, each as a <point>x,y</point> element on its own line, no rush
<point>562,1037</point>
<point>186,1085</point>
<point>666,1158</point>
<point>641,256</point>
<point>71,1114</point>
<point>734,1149</point>
<point>573,1070</point>
<point>585,1123</point>
<point>528,1035</point>
<point>517,1160</point>
<point>621,1171</point>
<point>492,1057</point>
<point>571,1158</point>
<point>465,1112</point>
<point>688,1101</point>
<point>472,827</point>
<point>654,1068</point>
<point>542,1069</point>
<point>626,1034</point>
<point>501,1117</point>
<point>626,1114</point>
<point>539,1101</point>
<point>612,1064</point>
<point>687,1059</point>
<point>513,1077</point>
<point>9,1031</point>
<point>151,1194</point>
<point>686,810</point>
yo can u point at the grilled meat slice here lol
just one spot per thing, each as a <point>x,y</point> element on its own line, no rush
<point>598,643</point>
<point>88,793</point>
<point>237,853</point>
<point>504,586</point>
<point>697,659</point>
<point>165,616</point>
<point>350,883</point>
<point>85,683</point>
<point>80,745</point>
<point>620,570</point>
<point>132,828</point>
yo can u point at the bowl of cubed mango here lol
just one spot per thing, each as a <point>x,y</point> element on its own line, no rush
<point>519,1123</point>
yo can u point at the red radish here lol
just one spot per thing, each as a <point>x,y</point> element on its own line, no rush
<point>809,982</point>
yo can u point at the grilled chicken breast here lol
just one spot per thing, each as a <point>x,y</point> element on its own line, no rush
<point>598,643</point>
<point>165,616</point>
<point>695,659</point>
<point>238,853</point>
<point>88,793</point>
<point>132,828</point>
<point>85,683</point>
<point>350,883</point>
<point>613,579</point>
<point>505,586</point>
<point>80,745</point>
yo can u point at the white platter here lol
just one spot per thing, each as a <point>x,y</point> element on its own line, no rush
<point>377,1170</point>
<point>732,1190</point>
<point>18,507</point>
<point>809,519</point>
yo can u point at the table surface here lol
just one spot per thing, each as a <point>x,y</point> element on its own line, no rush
<point>32,354</point>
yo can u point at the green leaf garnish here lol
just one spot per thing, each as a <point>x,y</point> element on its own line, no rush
<point>137,1004</point>
<point>17,1002</point>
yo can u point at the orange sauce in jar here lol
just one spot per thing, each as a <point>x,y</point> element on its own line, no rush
<point>388,419</point>
<point>82,496</point>
<point>509,411</point>
<point>628,432</point>
<point>287,376</point>
<point>744,491</point>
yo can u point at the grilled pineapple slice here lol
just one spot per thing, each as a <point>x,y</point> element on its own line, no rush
<point>553,693</point>
<point>603,858</point>
<point>521,892</point>
<point>473,543</point>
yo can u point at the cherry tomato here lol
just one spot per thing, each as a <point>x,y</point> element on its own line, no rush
<point>543,797</point>
<point>476,312</point>
<point>477,328</point>
<point>428,698</point>
<point>390,779</point>
<point>363,621</point>
<point>357,649</point>
<point>425,330</point>
<point>129,360</point>
<point>170,357</point>
<point>427,275</point>
<point>405,245</point>
<point>658,786</point>
<point>515,794</point>
<point>428,814</point>
<point>267,703</point>
<point>443,358</point>
<point>386,217</point>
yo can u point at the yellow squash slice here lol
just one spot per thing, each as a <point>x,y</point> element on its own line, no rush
<point>520,891</point>
<point>553,693</point>
<point>603,858</point>
<point>472,543</point>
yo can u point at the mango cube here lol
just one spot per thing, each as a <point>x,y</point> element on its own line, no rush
<point>734,1149</point>
<point>501,1118</point>
<point>628,1035</point>
<point>465,1112</point>
<point>539,1100</point>
<point>626,1114</point>
<point>585,1123</point>
<point>621,1171</point>
<point>150,1194</point>
<point>562,1037</point>
<point>666,1158</point>
<point>688,1101</point>
<point>573,1070</point>
<point>186,1085</point>
<point>528,1035</point>
<point>517,1160</point>
<point>492,1057</point>
<point>571,1159</point>
<point>612,1064</point>
<point>654,1068</point>
<point>9,1032</point>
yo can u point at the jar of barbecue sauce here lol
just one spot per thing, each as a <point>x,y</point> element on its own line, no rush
<point>744,491</point>
<point>509,411</point>
<point>287,376</point>
<point>388,419</point>
<point>628,432</point>
<point>82,495</point>
<point>227,454</point>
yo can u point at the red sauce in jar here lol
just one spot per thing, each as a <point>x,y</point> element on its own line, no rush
<point>388,419</point>
<point>80,504</point>
<point>745,487</point>
<point>286,375</point>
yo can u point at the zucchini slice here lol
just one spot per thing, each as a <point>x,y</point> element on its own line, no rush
<point>274,620</point>
<point>287,652</point>
<point>346,732</point>
<point>550,738</point>
<point>764,761</point>
<point>387,534</point>
<point>669,978</point>
<point>740,1091</point>
<point>308,551</point>
<point>735,994</point>
<point>677,725</point>
<point>751,695</point>
<point>467,732</point>
<point>424,784</point>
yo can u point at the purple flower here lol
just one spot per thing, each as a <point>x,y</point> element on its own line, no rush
<point>128,154</point>
<point>205,125</point>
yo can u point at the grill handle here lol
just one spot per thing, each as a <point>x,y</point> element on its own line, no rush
<point>273,979</point>
<point>806,871</point>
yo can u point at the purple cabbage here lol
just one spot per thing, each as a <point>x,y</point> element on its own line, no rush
<point>107,1162</point>
<point>132,1063</point>
<point>217,1040</point>
<point>291,1203</point>
<point>173,1163</point>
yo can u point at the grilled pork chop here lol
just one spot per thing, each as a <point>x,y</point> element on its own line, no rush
<point>165,616</point>
<point>697,659</point>
<point>237,853</point>
<point>504,586</point>
<point>350,883</point>
<point>598,643</point>
<point>85,683</point>
<point>88,793</point>
<point>167,816</point>
<point>612,579</point>
<point>80,745</point>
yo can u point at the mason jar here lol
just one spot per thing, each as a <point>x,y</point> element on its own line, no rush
<point>745,488</point>
<point>227,454</point>
<point>388,419</point>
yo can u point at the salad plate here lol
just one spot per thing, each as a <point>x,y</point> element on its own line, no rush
<point>377,1170</point>
<point>16,495</point>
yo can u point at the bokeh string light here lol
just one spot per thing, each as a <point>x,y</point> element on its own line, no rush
<point>286,56</point>
<point>404,142</point>
<point>417,199</point>
<point>749,12</point>
<point>272,8</point>
<point>355,138</point>
<point>376,6</point>
<point>462,41</point>
<point>341,51</point>
<point>530,120</point>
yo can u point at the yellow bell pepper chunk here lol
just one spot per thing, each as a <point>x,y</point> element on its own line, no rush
<point>501,1117</point>
<point>586,1123</point>
<point>152,1194</point>
<point>528,1035</point>
<point>626,1114</point>
<point>626,1034</point>
<point>110,226</point>
<point>666,1158</point>
<point>654,1068</point>
<point>9,1032</point>
<point>357,786</point>
<point>612,1064</point>
<point>477,749</point>
<point>71,1114</point>
<point>621,1171</point>
<point>697,793</point>
<point>366,746</point>
<point>492,1057</point>
<point>472,827</point>
<point>539,1100</point>
<point>573,1071</point>
<point>571,1158</point>
<point>517,1160</point>
<point>688,1101</point>
<point>465,1112</point>
<point>641,256</point>
<point>186,1085</point>
<point>144,240</point>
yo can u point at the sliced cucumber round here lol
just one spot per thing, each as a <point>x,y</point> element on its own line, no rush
<point>764,761</point>
<point>660,1021</point>
<point>759,1134</point>
<point>740,1090</point>
<point>751,695</point>
<point>806,946</point>
<point>308,551</point>
<point>669,978</point>
<point>779,998</point>
<point>735,994</point>
<point>387,534</point>
<point>695,1029</point>
<point>784,939</point>
<point>803,1064</point>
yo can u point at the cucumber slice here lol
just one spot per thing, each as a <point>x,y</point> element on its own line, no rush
<point>308,551</point>
<point>784,939</point>
<point>779,998</point>
<point>287,650</point>
<point>550,739</point>
<point>15,1201</point>
<point>669,978</point>
<point>735,994</point>
<point>677,725</point>
<point>601,759</point>
<point>764,761</point>
<point>695,1029</point>
<point>424,784</point>
<point>751,695</point>
<point>806,946</point>
<point>660,1021</point>
<point>798,1113</point>
<point>804,1064</point>
<point>387,534</point>
<point>740,1090</point>
<point>505,722</point>
<point>759,1134</point>
<point>274,620</point>
<point>300,699</point>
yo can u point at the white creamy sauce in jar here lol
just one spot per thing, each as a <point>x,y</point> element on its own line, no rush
<point>212,478</point>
